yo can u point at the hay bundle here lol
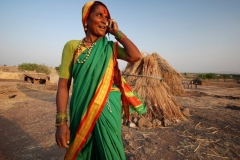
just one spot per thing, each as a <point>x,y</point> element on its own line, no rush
<point>157,95</point>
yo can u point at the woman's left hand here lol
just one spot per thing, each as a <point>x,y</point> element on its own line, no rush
<point>113,29</point>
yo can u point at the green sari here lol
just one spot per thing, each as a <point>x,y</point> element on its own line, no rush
<point>99,95</point>
<point>95,110</point>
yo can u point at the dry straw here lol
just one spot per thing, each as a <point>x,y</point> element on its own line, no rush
<point>158,96</point>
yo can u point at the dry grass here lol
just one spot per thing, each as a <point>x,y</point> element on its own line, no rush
<point>158,95</point>
<point>201,141</point>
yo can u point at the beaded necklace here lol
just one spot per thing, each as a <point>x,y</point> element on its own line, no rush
<point>88,52</point>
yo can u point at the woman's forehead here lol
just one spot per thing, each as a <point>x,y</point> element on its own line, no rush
<point>100,8</point>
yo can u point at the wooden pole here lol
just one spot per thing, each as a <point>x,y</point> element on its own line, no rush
<point>158,78</point>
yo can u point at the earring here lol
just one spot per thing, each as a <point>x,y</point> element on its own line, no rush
<point>85,27</point>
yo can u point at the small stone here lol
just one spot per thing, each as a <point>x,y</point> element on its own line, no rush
<point>144,122</point>
<point>157,122</point>
<point>175,120</point>
<point>131,125</point>
<point>127,136</point>
<point>166,122</point>
<point>186,112</point>
<point>135,119</point>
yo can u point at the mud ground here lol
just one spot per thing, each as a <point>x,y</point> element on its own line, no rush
<point>27,117</point>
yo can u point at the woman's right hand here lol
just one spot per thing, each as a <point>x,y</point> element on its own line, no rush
<point>114,27</point>
<point>62,136</point>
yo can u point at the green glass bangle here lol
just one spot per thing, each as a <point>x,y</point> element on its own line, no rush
<point>119,36</point>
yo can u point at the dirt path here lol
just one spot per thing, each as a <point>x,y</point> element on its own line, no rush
<point>27,117</point>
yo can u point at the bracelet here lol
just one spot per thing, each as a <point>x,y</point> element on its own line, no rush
<point>61,121</point>
<point>61,115</point>
<point>61,118</point>
<point>59,124</point>
<point>120,36</point>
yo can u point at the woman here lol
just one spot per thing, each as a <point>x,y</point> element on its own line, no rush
<point>98,90</point>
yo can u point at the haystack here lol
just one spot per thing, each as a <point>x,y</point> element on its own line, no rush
<point>158,95</point>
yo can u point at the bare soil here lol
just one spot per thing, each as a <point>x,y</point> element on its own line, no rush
<point>27,117</point>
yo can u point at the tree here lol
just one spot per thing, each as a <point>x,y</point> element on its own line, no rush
<point>236,77</point>
<point>210,76</point>
<point>58,69</point>
<point>185,74</point>
<point>39,68</point>
<point>202,76</point>
<point>225,76</point>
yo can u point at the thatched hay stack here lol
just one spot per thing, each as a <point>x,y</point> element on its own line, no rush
<point>170,75</point>
<point>162,69</point>
<point>157,95</point>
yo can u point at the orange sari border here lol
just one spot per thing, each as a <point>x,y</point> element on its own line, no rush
<point>85,11</point>
<point>91,128</point>
<point>91,116</point>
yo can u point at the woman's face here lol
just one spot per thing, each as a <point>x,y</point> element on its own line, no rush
<point>98,21</point>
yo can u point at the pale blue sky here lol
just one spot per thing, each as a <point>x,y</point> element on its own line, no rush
<point>192,35</point>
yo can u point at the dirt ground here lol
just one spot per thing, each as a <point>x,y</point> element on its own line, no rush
<point>27,117</point>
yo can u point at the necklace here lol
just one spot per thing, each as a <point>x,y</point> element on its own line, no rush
<point>88,52</point>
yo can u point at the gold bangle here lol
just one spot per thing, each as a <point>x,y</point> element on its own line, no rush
<point>59,124</point>
<point>120,36</point>
<point>61,114</point>
<point>61,118</point>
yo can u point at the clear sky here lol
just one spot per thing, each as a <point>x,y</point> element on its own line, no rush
<point>191,35</point>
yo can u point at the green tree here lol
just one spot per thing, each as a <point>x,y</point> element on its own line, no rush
<point>41,68</point>
<point>34,67</point>
<point>210,76</point>
<point>236,77</point>
<point>27,66</point>
<point>58,69</point>
<point>202,76</point>
<point>185,74</point>
<point>225,77</point>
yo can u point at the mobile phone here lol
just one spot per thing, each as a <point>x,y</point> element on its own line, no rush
<point>110,25</point>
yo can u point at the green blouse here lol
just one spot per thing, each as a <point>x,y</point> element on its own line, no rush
<point>68,59</point>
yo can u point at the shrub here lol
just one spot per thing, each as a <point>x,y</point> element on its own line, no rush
<point>34,67</point>
<point>43,69</point>
<point>185,74</point>
<point>210,76</point>
<point>202,76</point>
<point>58,69</point>
<point>225,76</point>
